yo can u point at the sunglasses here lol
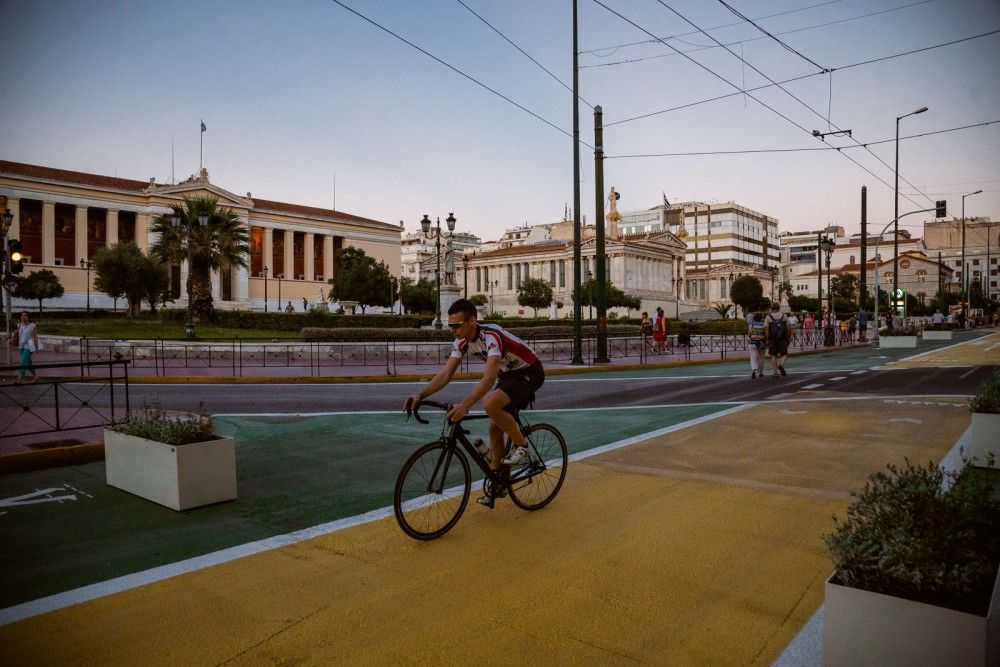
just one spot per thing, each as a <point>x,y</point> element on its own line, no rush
<point>456,325</point>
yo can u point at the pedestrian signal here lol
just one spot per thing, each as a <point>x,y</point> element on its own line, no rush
<point>16,257</point>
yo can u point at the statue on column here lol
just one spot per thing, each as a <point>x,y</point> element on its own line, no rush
<point>613,215</point>
<point>449,264</point>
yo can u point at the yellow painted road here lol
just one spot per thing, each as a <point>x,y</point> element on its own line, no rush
<point>983,351</point>
<point>702,546</point>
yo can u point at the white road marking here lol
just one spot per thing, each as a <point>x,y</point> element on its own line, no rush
<point>911,420</point>
<point>786,411</point>
<point>35,497</point>
<point>861,372</point>
<point>839,377</point>
<point>968,372</point>
<point>813,386</point>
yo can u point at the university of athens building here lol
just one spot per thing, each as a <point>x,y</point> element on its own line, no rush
<point>63,217</point>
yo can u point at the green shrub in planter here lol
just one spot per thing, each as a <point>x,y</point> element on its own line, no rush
<point>987,400</point>
<point>154,424</point>
<point>908,536</point>
<point>905,330</point>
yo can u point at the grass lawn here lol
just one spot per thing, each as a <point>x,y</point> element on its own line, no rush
<point>124,328</point>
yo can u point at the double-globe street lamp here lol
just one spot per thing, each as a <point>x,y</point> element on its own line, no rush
<point>87,265</point>
<point>827,245</point>
<point>895,231</point>
<point>965,271</point>
<point>175,220</point>
<point>437,235</point>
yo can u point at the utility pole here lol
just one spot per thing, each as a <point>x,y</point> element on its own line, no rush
<point>864,243</point>
<point>577,312</point>
<point>601,284</point>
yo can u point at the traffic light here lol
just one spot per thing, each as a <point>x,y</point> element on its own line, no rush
<point>940,208</point>
<point>16,257</point>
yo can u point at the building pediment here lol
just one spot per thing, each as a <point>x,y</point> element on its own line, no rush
<point>198,188</point>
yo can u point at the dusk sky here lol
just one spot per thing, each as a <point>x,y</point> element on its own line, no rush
<point>298,94</point>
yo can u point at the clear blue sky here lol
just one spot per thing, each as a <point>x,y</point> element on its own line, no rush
<point>293,92</point>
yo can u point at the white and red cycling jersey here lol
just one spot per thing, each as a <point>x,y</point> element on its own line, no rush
<point>494,341</point>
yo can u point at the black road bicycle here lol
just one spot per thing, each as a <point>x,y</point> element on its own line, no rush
<point>433,486</point>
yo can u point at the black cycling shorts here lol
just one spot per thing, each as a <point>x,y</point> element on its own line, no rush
<point>521,385</point>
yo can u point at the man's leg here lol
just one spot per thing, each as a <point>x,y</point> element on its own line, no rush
<point>501,423</point>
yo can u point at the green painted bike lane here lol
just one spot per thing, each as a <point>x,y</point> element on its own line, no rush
<point>293,473</point>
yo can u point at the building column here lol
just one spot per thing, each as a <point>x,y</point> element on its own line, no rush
<point>80,236</point>
<point>289,255</point>
<point>112,227</point>
<point>48,233</point>
<point>241,286</point>
<point>308,259</point>
<point>268,250</point>
<point>184,279</point>
<point>327,257</point>
<point>142,233</point>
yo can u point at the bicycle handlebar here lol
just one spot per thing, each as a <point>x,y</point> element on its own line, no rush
<point>434,404</point>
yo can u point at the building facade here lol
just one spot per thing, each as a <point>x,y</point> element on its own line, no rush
<point>982,250</point>
<point>63,218</point>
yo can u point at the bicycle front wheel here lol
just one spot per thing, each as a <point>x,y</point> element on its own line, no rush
<point>534,486</point>
<point>432,491</point>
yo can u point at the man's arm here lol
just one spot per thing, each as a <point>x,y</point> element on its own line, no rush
<point>436,384</point>
<point>483,386</point>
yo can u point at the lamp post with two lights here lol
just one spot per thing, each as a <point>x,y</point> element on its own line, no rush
<point>437,235</point>
<point>263,273</point>
<point>186,241</point>
<point>965,271</point>
<point>895,232</point>
<point>827,245</point>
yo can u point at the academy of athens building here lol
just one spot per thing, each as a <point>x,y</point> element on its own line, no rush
<point>64,217</point>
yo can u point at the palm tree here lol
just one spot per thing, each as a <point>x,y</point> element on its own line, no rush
<point>208,237</point>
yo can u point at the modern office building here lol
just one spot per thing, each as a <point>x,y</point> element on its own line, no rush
<point>982,250</point>
<point>63,218</point>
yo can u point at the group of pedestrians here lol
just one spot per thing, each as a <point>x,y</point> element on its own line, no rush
<point>769,336</point>
<point>655,330</point>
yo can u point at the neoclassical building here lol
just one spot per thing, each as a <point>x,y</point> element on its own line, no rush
<point>64,217</point>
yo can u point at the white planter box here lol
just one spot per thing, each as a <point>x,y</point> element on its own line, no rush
<point>985,438</point>
<point>179,477</point>
<point>897,341</point>
<point>864,628</point>
<point>938,334</point>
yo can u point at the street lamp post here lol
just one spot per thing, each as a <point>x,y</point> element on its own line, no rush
<point>437,235</point>
<point>895,232</point>
<point>6,220</point>
<point>493,284</point>
<point>965,272</point>
<point>88,265</point>
<point>827,245</point>
<point>590,277</point>
<point>279,277</point>
<point>263,272</point>
<point>465,273</point>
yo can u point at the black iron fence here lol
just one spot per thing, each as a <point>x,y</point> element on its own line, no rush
<point>239,357</point>
<point>68,397</point>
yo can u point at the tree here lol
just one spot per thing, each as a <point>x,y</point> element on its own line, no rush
<point>844,285</point>
<point>39,285</point>
<point>419,297</point>
<point>722,309</point>
<point>360,278</point>
<point>221,243</point>
<point>785,289</point>
<point>124,271</point>
<point>534,293</point>
<point>803,303</point>
<point>747,293</point>
<point>478,300</point>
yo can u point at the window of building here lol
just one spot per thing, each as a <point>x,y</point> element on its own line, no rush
<point>552,272</point>
<point>479,279</point>
<point>562,273</point>
<point>510,276</point>
<point>517,277</point>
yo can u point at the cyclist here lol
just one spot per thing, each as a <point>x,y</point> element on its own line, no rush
<point>513,373</point>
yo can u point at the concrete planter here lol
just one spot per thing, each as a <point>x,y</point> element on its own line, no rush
<point>865,628</point>
<point>897,341</point>
<point>179,477</point>
<point>984,438</point>
<point>938,334</point>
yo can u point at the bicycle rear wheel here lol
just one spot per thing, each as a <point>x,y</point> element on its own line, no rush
<point>432,491</point>
<point>546,469</point>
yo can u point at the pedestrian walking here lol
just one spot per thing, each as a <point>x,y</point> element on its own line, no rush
<point>755,334</point>
<point>26,339</point>
<point>862,325</point>
<point>777,336</point>
<point>646,328</point>
<point>660,331</point>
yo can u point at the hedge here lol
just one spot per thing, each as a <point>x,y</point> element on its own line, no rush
<point>247,319</point>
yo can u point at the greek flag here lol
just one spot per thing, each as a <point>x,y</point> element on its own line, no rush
<point>203,128</point>
<point>665,201</point>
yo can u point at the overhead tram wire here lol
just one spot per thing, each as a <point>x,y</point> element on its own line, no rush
<point>523,52</point>
<point>800,78</point>
<point>717,27</point>
<point>458,71</point>
<point>793,96</point>
<point>730,83</point>
<point>804,149</point>
<point>784,45</point>
<point>752,39</point>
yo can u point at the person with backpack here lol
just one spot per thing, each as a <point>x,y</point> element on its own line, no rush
<point>777,336</point>
<point>755,334</point>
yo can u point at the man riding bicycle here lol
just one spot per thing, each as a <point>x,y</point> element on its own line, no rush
<point>513,373</point>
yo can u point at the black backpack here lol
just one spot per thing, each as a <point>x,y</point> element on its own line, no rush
<point>777,329</point>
